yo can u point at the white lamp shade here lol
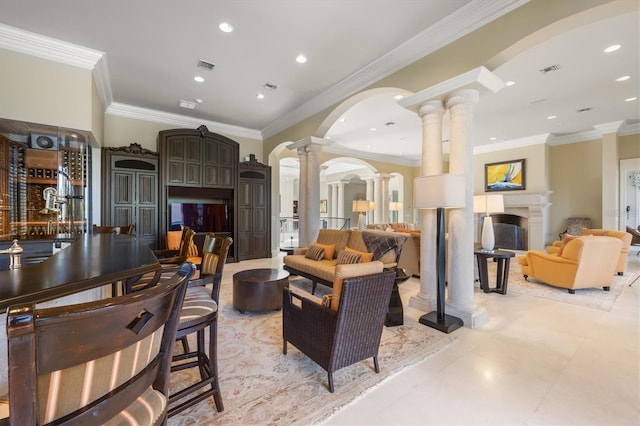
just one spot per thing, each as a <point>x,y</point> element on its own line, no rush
<point>439,191</point>
<point>490,203</point>
<point>360,206</point>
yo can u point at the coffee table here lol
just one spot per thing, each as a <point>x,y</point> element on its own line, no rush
<point>259,289</point>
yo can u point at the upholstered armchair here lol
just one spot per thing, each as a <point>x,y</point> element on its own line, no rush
<point>624,237</point>
<point>583,262</point>
<point>346,328</point>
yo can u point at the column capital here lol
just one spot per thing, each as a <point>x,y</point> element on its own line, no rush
<point>431,107</point>
<point>382,175</point>
<point>466,96</point>
<point>308,142</point>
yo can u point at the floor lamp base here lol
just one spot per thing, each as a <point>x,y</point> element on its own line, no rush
<point>447,325</point>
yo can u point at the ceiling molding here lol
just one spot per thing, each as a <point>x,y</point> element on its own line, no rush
<point>103,82</point>
<point>465,20</point>
<point>130,111</point>
<point>48,48</point>
<point>406,162</point>
<point>512,144</point>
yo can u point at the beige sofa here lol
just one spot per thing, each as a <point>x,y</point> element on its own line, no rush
<point>323,271</point>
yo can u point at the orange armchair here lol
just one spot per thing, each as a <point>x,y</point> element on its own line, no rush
<point>584,262</point>
<point>624,237</point>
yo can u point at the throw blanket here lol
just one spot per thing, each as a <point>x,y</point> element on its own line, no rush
<point>379,244</point>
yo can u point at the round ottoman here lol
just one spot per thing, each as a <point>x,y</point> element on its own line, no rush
<point>259,289</point>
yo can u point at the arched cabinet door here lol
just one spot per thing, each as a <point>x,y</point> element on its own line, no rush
<point>130,191</point>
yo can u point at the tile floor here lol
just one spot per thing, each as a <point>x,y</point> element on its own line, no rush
<point>536,362</point>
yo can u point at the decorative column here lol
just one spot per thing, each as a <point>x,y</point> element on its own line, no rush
<point>377,199</point>
<point>432,162</point>
<point>303,239</point>
<point>313,193</point>
<point>341,199</point>
<point>334,200</point>
<point>610,181</point>
<point>309,191</point>
<point>385,198</point>
<point>369,182</point>
<point>460,225</point>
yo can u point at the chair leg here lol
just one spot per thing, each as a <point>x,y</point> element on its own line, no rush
<point>213,365</point>
<point>375,364</point>
<point>284,346</point>
<point>571,291</point>
<point>330,374</point>
<point>606,288</point>
<point>185,344</point>
<point>526,277</point>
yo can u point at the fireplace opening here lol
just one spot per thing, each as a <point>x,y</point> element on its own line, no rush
<point>510,231</point>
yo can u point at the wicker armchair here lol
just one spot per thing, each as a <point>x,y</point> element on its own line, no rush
<point>338,338</point>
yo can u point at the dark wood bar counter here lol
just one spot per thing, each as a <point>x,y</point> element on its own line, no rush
<point>90,262</point>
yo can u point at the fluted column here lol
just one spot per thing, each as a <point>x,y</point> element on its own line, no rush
<point>369,183</point>
<point>340,211</point>
<point>334,199</point>
<point>385,198</point>
<point>302,194</point>
<point>432,163</point>
<point>313,193</point>
<point>460,224</point>
<point>377,199</point>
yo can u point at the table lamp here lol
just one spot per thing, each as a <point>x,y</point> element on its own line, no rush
<point>490,203</point>
<point>361,207</point>
<point>439,192</point>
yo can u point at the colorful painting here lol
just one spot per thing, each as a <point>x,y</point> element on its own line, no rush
<point>505,175</point>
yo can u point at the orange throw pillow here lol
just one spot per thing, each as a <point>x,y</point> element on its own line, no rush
<point>567,238</point>
<point>365,256</point>
<point>595,232</point>
<point>329,250</point>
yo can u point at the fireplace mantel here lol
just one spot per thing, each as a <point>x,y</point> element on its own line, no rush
<point>533,206</point>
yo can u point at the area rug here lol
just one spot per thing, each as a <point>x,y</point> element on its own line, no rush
<point>595,298</point>
<point>261,386</point>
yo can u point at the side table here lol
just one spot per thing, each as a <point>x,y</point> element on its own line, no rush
<point>259,289</point>
<point>288,249</point>
<point>503,258</point>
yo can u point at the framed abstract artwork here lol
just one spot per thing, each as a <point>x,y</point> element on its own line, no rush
<point>505,175</point>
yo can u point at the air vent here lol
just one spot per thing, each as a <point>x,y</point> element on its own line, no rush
<point>270,86</point>
<point>389,123</point>
<point>205,65</point>
<point>186,104</point>
<point>550,69</point>
<point>584,109</point>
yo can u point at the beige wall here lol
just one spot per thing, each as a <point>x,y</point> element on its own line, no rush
<point>45,92</point>
<point>629,146</point>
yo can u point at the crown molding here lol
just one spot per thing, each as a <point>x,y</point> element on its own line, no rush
<point>130,111</point>
<point>48,48</point>
<point>512,144</point>
<point>465,20</point>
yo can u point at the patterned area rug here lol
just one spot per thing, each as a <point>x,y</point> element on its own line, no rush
<point>261,386</point>
<point>595,298</point>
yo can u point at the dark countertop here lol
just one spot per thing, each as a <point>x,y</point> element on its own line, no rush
<point>90,261</point>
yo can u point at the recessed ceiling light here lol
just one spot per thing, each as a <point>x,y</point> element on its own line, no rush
<point>492,138</point>
<point>301,59</point>
<point>551,117</point>
<point>368,146</point>
<point>341,119</point>
<point>260,96</point>
<point>623,78</point>
<point>199,100</point>
<point>198,79</point>
<point>631,99</point>
<point>509,83</point>
<point>612,48</point>
<point>398,97</point>
<point>225,27</point>
<point>373,129</point>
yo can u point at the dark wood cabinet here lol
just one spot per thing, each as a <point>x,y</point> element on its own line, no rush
<point>198,167</point>
<point>254,210</point>
<point>130,190</point>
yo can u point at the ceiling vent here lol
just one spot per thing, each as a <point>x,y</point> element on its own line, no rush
<point>270,86</point>
<point>550,69</point>
<point>186,104</point>
<point>389,123</point>
<point>205,65</point>
<point>584,110</point>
